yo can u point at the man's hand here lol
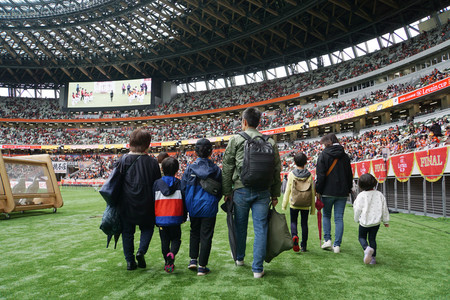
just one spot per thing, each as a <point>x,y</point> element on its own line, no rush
<point>274,201</point>
<point>226,198</point>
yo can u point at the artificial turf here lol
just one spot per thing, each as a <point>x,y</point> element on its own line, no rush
<point>63,256</point>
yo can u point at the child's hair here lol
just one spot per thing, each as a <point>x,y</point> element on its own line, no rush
<point>170,166</point>
<point>367,182</point>
<point>300,159</point>
<point>203,148</point>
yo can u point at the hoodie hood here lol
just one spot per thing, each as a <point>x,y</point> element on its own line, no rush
<point>335,151</point>
<point>203,167</point>
<point>301,173</point>
<point>169,187</point>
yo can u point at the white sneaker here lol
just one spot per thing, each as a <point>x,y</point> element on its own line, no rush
<point>326,244</point>
<point>239,262</point>
<point>368,255</point>
<point>258,275</point>
<point>336,249</point>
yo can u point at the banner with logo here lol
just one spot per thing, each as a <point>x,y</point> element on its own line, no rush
<point>402,165</point>
<point>363,167</point>
<point>432,163</point>
<point>353,169</point>
<point>380,169</point>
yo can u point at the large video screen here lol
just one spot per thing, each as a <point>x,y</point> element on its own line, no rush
<point>109,93</point>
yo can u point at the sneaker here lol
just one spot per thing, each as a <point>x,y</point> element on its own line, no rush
<point>169,268</point>
<point>131,265</point>
<point>140,260</point>
<point>368,254</point>
<point>239,262</point>
<point>170,259</point>
<point>303,249</point>
<point>192,265</point>
<point>326,244</point>
<point>202,271</point>
<point>373,261</point>
<point>336,249</point>
<point>296,248</point>
<point>258,275</point>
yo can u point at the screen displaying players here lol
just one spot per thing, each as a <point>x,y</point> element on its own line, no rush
<point>109,93</point>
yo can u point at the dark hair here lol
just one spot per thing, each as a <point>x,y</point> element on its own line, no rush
<point>170,166</point>
<point>203,148</point>
<point>300,159</point>
<point>367,182</point>
<point>161,157</point>
<point>140,140</point>
<point>252,115</point>
<point>329,139</point>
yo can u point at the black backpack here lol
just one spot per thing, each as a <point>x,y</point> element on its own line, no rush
<point>259,161</point>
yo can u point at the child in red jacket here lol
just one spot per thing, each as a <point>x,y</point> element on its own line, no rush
<point>170,211</point>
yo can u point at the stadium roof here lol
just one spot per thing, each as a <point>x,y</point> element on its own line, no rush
<point>59,41</point>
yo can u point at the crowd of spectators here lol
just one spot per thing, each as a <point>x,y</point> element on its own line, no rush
<point>211,127</point>
<point>228,97</point>
<point>369,145</point>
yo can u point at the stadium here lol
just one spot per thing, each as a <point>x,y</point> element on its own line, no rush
<point>77,77</point>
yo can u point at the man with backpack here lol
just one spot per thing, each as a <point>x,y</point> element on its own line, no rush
<point>251,179</point>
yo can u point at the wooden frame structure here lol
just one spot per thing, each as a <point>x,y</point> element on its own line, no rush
<point>44,194</point>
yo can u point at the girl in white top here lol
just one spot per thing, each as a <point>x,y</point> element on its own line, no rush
<point>370,210</point>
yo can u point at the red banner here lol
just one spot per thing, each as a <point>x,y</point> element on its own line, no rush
<point>380,169</point>
<point>402,166</point>
<point>432,163</point>
<point>353,169</point>
<point>442,84</point>
<point>363,167</point>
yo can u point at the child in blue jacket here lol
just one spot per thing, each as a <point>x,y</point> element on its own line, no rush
<point>169,211</point>
<point>201,205</point>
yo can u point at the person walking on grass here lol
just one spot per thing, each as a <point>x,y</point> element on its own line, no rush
<point>255,196</point>
<point>201,205</point>
<point>170,211</point>
<point>334,183</point>
<point>300,195</point>
<point>136,207</point>
<point>370,209</point>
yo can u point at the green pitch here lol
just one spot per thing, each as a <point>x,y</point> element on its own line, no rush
<point>63,256</point>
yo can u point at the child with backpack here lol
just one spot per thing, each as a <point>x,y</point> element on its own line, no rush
<point>202,185</point>
<point>170,211</point>
<point>300,195</point>
<point>370,210</point>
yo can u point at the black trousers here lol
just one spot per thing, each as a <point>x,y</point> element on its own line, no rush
<point>304,213</point>
<point>170,239</point>
<point>128,239</point>
<point>372,233</point>
<point>202,231</point>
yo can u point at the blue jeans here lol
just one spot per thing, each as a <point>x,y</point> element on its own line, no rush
<point>258,201</point>
<point>339,207</point>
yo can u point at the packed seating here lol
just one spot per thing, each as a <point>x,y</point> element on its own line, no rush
<point>49,108</point>
<point>371,144</point>
<point>198,129</point>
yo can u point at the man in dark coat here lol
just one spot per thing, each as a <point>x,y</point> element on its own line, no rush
<point>137,206</point>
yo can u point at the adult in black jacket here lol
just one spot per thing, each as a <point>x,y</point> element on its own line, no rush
<point>334,188</point>
<point>137,198</point>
